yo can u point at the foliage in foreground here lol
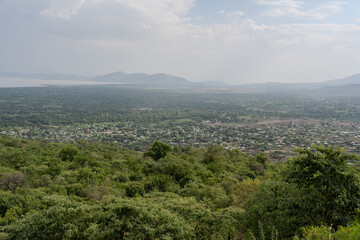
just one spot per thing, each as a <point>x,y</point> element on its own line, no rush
<point>156,216</point>
<point>101,191</point>
<point>97,191</point>
<point>317,187</point>
<point>350,232</point>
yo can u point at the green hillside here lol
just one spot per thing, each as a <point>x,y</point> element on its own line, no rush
<point>87,190</point>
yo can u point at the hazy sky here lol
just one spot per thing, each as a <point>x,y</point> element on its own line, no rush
<point>236,41</point>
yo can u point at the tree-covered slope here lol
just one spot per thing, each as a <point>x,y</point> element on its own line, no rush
<point>91,190</point>
<point>87,190</point>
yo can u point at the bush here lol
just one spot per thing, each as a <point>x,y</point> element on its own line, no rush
<point>134,188</point>
<point>211,195</point>
<point>350,232</point>
<point>276,205</point>
<point>68,153</point>
<point>176,167</point>
<point>158,150</point>
<point>244,190</point>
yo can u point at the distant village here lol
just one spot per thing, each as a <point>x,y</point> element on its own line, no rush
<point>276,138</point>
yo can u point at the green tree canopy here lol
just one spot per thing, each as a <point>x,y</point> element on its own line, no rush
<point>332,185</point>
<point>158,150</point>
<point>317,187</point>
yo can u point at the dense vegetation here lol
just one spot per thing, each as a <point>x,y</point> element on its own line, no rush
<point>88,190</point>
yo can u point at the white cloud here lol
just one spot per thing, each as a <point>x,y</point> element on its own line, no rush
<point>116,18</point>
<point>63,9</point>
<point>155,11</point>
<point>293,8</point>
<point>178,7</point>
<point>235,14</point>
<point>167,20</point>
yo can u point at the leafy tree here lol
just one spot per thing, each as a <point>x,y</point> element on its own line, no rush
<point>215,157</point>
<point>58,221</point>
<point>14,157</point>
<point>134,188</point>
<point>330,182</point>
<point>206,224</point>
<point>140,219</point>
<point>68,153</point>
<point>261,158</point>
<point>317,187</point>
<point>214,154</point>
<point>178,168</point>
<point>257,167</point>
<point>213,196</point>
<point>53,167</point>
<point>349,232</point>
<point>275,205</point>
<point>158,150</point>
<point>12,181</point>
<point>160,182</point>
<point>244,190</point>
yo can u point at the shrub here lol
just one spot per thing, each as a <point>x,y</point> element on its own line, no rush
<point>134,188</point>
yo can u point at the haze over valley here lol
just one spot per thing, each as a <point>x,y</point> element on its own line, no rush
<point>348,85</point>
<point>179,119</point>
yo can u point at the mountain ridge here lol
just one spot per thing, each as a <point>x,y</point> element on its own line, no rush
<point>276,86</point>
<point>162,79</point>
<point>141,78</point>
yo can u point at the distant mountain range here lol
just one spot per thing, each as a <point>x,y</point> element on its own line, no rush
<point>116,77</point>
<point>336,86</point>
<point>348,85</point>
<point>354,79</point>
<point>348,90</point>
<point>142,78</point>
<point>158,79</point>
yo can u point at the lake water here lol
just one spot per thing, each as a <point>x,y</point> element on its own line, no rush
<point>25,82</point>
